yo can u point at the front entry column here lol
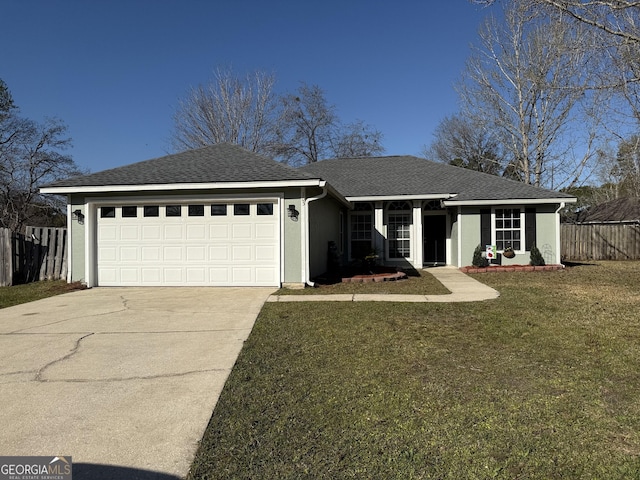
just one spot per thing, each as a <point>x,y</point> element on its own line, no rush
<point>416,235</point>
<point>380,231</point>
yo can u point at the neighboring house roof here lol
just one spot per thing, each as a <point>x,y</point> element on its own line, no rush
<point>395,176</point>
<point>618,210</point>
<point>218,163</point>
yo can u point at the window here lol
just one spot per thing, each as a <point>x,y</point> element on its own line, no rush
<point>151,210</point>
<point>129,212</point>
<point>241,209</point>
<point>433,205</point>
<point>265,209</point>
<point>173,210</point>
<point>361,222</point>
<point>508,228</point>
<point>196,210</point>
<point>399,229</point>
<point>218,210</point>
<point>107,212</point>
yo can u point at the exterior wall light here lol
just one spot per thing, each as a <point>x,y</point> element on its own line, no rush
<point>292,213</point>
<point>78,215</point>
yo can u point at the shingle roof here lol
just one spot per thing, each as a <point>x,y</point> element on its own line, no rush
<point>223,162</point>
<point>408,175</point>
<point>618,210</point>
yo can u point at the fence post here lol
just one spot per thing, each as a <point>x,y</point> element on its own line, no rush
<point>6,258</point>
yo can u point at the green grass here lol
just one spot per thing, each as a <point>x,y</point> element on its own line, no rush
<point>421,284</point>
<point>541,383</point>
<point>30,292</point>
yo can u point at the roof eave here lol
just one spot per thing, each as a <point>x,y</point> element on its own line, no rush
<point>374,198</point>
<point>65,190</point>
<point>510,201</point>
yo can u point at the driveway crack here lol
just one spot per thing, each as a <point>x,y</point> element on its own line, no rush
<point>140,377</point>
<point>74,350</point>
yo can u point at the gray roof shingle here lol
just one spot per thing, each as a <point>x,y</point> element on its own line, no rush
<point>408,175</point>
<point>222,162</point>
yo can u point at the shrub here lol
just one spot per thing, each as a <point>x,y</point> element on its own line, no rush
<point>536,257</point>
<point>478,259</point>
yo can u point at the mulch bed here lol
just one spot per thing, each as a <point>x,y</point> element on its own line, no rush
<point>376,277</point>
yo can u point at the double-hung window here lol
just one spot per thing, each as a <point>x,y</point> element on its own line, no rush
<point>361,223</point>
<point>513,227</point>
<point>399,229</point>
<point>508,228</point>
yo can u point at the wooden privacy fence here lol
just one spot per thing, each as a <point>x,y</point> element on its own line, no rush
<point>39,254</point>
<point>600,241</point>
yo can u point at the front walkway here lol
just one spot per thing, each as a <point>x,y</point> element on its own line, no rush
<point>462,287</point>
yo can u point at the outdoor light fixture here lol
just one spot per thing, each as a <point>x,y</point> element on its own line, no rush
<point>292,213</point>
<point>78,215</point>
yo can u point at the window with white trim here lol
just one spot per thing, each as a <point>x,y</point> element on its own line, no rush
<point>508,224</point>
<point>361,230</point>
<point>399,229</point>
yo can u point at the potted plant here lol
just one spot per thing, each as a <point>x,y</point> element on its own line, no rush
<point>509,252</point>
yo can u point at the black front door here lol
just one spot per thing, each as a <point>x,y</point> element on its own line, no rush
<point>435,234</point>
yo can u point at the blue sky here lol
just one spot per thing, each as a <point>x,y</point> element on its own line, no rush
<point>113,70</point>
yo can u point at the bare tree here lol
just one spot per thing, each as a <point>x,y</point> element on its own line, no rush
<point>30,155</point>
<point>228,109</point>
<point>459,141</point>
<point>626,169</point>
<point>357,140</point>
<point>309,130</point>
<point>306,127</point>
<point>618,18</point>
<point>6,101</point>
<point>527,84</point>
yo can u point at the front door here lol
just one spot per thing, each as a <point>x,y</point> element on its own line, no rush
<point>435,234</point>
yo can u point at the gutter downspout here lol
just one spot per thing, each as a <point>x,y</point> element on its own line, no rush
<point>558,246</point>
<point>305,206</point>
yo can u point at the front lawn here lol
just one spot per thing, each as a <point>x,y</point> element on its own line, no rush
<point>418,284</point>
<point>30,292</point>
<point>541,383</point>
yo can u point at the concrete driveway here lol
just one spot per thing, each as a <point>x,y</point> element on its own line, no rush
<point>122,379</point>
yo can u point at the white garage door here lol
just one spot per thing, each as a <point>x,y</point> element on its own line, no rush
<point>221,244</point>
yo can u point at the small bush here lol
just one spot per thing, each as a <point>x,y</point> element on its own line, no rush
<point>536,257</point>
<point>478,259</point>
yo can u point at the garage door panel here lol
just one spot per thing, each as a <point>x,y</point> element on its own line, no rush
<point>130,232</point>
<point>265,253</point>
<point>196,232</point>
<point>152,276</point>
<point>241,231</point>
<point>129,276</point>
<point>173,276</point>
<point>232,249</point>
<point>219,232</point>
<point>172,253</point>
<point>173,232</point>
<point>196,275</point>
<point>108,276</point>
<point>150,254</point>
<point>129,254</point>
<point>107,254</point>
<point>264,275</point>
<point>242,253</point>
<point>241,275</point>
<point>219,253</point>
<point>108,232</point>
<point>265,231</point>
<point>151,232</point>
<point>219,276</point>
